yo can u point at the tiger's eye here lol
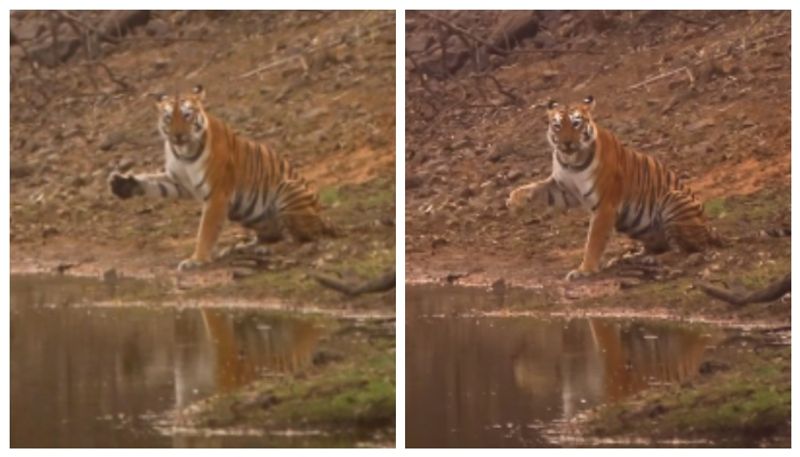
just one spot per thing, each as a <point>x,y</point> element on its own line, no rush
<point>577,122</point>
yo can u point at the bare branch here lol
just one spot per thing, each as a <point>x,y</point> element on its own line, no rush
<point>771,292</point>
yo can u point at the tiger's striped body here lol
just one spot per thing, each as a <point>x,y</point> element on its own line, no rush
<point>623,189</point>
<point>235,178</point>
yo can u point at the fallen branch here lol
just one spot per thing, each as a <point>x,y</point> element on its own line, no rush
<point>381,284</point>
<point>78,22</point>
<point>122,84</point>
<point>664,75</point>
<point>273,64</point>
<point>772,292</point>
<point>514,97</point>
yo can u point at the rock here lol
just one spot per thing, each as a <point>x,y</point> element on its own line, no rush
<point>499,286</point>
<point>157,28</point>
<point>712,366</point>
<point>437,242</point>
<point>110,275</point>
<point>694,259</point>
<point>514,175</point>
<point>79,181</point>
<point>125,164</point>
<point>629,283</point>
<point>324,357</point>
<point>241,273</point>
<point>111,140</point>
<point>19,171</point>
<point>419,42</point>
<point>48,231</point>
<point>468,191</point>
<point>501,151</point>
<point>455,276</point>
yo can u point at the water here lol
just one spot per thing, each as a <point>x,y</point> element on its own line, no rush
<point>478,381</point>
<point>85,376</point>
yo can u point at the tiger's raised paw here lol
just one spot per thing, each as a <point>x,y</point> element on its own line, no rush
<point>124,186</point>
<point>517,201</point>
<point>190,264</point>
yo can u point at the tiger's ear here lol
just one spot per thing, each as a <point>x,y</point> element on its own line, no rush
<point>589,102</point>
<point>199,91</point>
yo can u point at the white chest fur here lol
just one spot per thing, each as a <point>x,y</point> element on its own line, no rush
<point>579,183</point>
<point>190,175</point>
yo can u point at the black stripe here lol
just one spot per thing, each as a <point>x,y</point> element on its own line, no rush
<point>247,213</point>
<point>680,212</point>
<point>233,211</point>
<point>596,205</point>
<point>162,189</point>
<point>645,170</point>
<point>550,199</point>
<point>638,217</point>
<point>621,226</point>
<point>640,232</point>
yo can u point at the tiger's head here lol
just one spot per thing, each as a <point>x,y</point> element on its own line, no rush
<point>181,118</point>
<point>571,128</point>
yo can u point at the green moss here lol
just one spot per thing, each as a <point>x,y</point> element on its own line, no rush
<point>355,392</point>
<point>351,395</point>
<point>329,196</point>
<point>740,406</point>
<point>715,208</point>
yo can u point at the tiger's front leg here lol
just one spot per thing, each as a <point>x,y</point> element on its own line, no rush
<point>150,185</point>
<point>600,230</point>
<point>214,213</point>
<point>540,194</point>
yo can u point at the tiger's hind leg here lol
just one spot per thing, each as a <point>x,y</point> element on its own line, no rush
<point>299,212</point>
<point>270,232</point>
<point>685,226</point>
<point>305,225</point>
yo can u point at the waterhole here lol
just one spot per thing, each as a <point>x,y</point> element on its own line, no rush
<point>104,376</point>
<point>477,379</point>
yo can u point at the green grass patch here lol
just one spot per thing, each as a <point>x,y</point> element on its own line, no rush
<point>715,208</point>
<point>742,406</point>
<point>355,392</point>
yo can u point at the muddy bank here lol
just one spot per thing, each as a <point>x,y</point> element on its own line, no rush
<point>741,398</point>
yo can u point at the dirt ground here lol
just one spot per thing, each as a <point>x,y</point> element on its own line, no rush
<point>316,86</point>
<point>707,93</point>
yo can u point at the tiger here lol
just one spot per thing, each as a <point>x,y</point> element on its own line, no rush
<point>234,178</point>
<point>624,190</point>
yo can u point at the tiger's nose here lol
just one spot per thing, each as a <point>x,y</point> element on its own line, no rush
<point>568,145</point>
<point>180,138</point>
